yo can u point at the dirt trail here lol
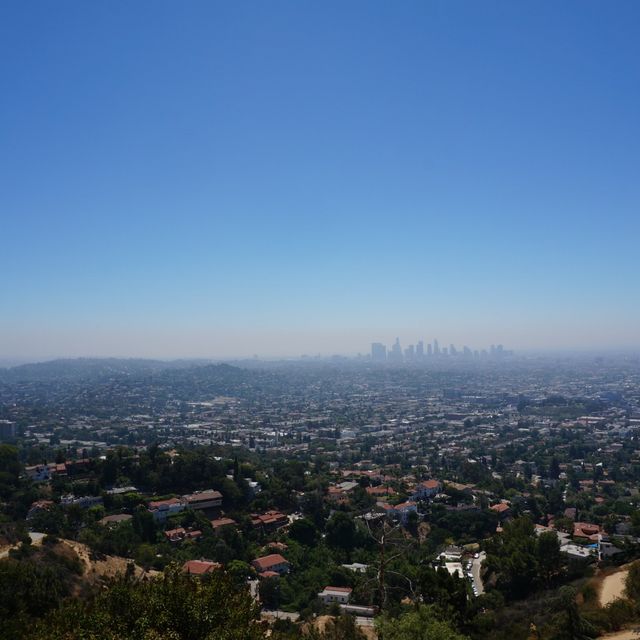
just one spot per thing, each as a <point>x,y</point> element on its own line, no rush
<point>612,587</point>
<point>107,566</point>
<point>629,634</point>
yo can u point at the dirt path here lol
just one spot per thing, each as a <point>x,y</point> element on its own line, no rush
<point>613,587</point>
<point>629,634</point>
<point>106,566</point>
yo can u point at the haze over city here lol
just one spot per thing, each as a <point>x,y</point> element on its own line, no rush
<point>219,181</point>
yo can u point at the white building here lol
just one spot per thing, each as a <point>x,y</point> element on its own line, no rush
<point>340,595</point>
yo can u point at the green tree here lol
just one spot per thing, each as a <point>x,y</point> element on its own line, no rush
<point>418,624</point>
<point>175,606</point>
<point>549,556</point>
<point>270,592</point>
<point>341,531</point>
<point>339,628</point>
<point>303,531</point>
<point>632,582</point>
<point>569,623</point>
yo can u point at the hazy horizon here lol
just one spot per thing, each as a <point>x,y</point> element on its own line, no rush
<point>298,345</point>
<point>215,180</point>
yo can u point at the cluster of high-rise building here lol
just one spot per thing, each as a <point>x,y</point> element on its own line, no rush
<point>418,352</point>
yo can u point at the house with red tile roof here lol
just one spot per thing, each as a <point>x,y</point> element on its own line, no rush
<point>273,562</point>
<point>587,530</point>
<point>503,509</point>
<point>426,489</point>
<point>200,567</point>
<point>220,523</point>
<point>269,521</point>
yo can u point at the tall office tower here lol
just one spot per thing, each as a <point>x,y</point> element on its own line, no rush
<point>445,351</point>
<point>378,352</point>
<point>492,350</point>
<point>396,351</point>
<point>429,350</point>
<point>436,348</point>
<point>409,353</point>
<point>420,350</point>
<point>452,350</point>
<point>467,352</point>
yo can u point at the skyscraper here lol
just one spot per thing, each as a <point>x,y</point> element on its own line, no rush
<point>396,351</point>
<point>436,348</point>
<point>378,352</point>
<point>420,350</point>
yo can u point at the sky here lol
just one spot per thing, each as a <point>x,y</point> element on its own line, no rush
<point>219,179</point>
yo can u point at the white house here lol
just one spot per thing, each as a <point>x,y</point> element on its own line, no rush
<point>162,509</point>
<point>340,595</point>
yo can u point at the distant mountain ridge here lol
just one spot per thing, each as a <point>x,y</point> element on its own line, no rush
<point>92,368</point>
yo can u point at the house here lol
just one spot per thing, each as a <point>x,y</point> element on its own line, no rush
<point>400,511</point>
<point>380,491</point>
<point>208,499</point>
<point>337,495</point>
<point>162,509</point>
<point>83,501</point>
<point>44,472</point>
<point>356,566</point>
<point>200,567</point>
<point>220,523</point>
<point>272,563</point>
<point>180,534</point>
<point>39,506</point>
<point>38,473</point>
<point>451,554</point>
<point>269,521</point>
<point>587,530</point>
<point>502,509</point>
<point>426,489</point>
<point>340,595</point>
<point>576,552</point>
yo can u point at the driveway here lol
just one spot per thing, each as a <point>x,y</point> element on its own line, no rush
<point>476,564</point>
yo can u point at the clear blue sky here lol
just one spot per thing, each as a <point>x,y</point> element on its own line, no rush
<point>216,179</point>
